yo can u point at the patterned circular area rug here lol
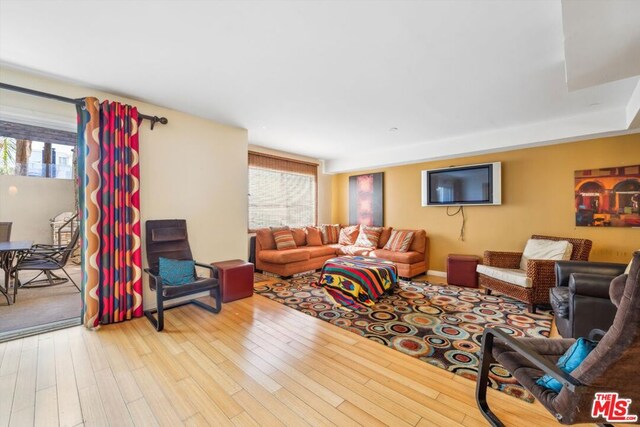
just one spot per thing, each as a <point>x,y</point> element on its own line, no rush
<point>440,325</point>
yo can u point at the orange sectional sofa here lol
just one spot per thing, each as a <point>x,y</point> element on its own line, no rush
<point>307,258</point>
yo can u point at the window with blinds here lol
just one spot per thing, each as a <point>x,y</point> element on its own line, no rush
<point>281,192</point>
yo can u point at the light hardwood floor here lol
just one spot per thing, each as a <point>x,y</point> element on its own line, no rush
<point>256,363</point>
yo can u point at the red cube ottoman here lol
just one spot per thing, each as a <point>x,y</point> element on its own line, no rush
<point>236,279</point>
<point>461,270</point>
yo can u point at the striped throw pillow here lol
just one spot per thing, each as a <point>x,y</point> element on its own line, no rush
<point>368,237</point>
<point>400,241</point>
<point>348,235</point>
<point>330,233</point>
<point>284,240</point>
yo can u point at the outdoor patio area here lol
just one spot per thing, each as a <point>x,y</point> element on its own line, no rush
<point>41,306</point>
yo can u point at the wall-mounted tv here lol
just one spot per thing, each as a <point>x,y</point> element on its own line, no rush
<point>464,185</point>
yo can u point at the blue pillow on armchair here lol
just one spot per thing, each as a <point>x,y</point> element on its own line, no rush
<point>569,361</point>
<point>176,272</point>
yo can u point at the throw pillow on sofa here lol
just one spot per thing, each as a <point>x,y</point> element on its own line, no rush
<point>314,236</point>
<point>348,235</point>
<point>400,241</point>
<point>368,237</point>
<point>299,236</point>
<point>330,233</point>
<point>284,240</point>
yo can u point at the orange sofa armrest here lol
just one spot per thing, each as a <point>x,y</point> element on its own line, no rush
<point>502,259</point>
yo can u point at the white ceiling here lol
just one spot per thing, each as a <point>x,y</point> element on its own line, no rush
<point>329,79</point>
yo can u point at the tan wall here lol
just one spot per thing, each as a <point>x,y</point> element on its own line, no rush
<point>30,202</point>
<point>325,181</point>
<point>191,168</point>
<point>538,198</point>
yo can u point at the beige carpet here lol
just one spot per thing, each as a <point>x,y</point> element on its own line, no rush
<point>41,306</point>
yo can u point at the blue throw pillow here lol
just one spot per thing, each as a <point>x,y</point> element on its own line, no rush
<point>569,361</point>
<point>176,272</point>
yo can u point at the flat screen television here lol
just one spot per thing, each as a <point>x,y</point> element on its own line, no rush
<point>465,185</point>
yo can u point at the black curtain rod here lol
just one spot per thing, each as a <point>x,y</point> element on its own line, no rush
<point>80,101</point>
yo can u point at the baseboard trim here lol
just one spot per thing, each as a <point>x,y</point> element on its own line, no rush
<point>437,273</point>
<point>40,329</point>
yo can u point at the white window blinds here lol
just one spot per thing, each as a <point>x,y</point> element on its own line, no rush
<point>281,192</point>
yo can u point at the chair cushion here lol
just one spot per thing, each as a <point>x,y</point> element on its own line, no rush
<point>545,249</point>
<point>509,275</point>
<point>569,361</point>
<point>318,251</point>
<point>368,236</point>
<point>348,235</point>
<point>314,236</point>
<point>200,285</point>
<point>284,240</point>
<point>559,298</point>
<point>275,256</point>
<point>399,241</point>
<point>353,250</point>
<point>176,272</point>
<point>410,257</point>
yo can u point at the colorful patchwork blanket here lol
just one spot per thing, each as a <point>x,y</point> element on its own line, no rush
<point>356,281</point>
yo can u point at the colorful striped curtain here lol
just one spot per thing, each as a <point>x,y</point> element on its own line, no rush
<point>109,200</point>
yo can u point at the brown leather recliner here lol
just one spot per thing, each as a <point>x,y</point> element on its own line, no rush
<point>611,367</point>
<point>168,238</point>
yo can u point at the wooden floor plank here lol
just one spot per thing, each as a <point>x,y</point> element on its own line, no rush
<point>257,362</point>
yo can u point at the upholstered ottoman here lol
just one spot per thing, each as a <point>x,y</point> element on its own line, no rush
<point>461,270</point>
<point>236,279</point>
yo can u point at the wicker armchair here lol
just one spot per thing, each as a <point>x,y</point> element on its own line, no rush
<point>540,272</point>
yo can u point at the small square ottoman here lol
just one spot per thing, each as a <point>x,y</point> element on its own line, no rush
<point>236,279</point>
<point>461,270</point>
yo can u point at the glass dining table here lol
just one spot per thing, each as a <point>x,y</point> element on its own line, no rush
<point>11,253</point>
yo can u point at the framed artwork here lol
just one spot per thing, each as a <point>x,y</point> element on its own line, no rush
<point>366,199</point>
<point>608,197</point>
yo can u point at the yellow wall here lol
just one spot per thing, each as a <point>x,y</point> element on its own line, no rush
<point>191,168</point>
<point>538,198</point>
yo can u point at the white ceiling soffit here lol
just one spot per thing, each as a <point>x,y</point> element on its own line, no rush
<point>601,41</point>
<point>330,80</point>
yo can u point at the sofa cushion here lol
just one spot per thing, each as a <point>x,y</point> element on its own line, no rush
<point>284,240</point>
<point>545,249</point>
<point>299,236</point>
<point>399,241</point>
<point>265,238</point>
<point>314,237</point>
<point>402,257</point>
<point>368,236</point>
<point>419,242</point>
<point>384,236</point>
<point>509,275</point>
<point>559,297</point>
<point>330,233</point>
<point>353,250</point>
<point>318,251</point>
<point>349,234</point>
<point>275,256</point>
